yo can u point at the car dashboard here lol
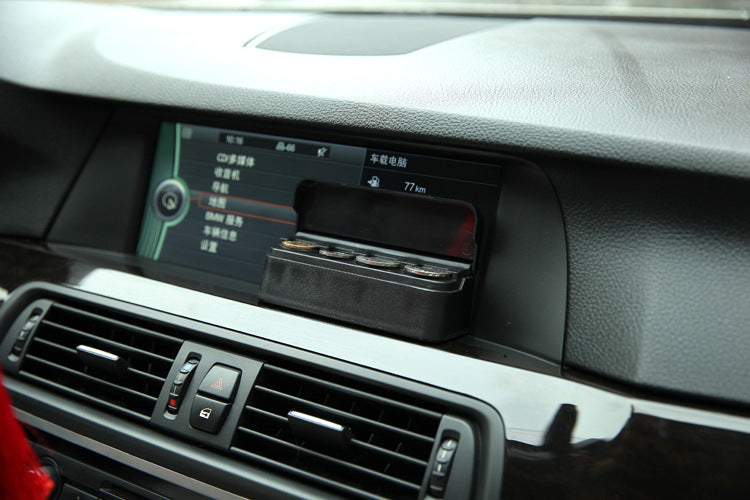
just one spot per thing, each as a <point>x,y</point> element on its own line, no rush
<point>308,255</point>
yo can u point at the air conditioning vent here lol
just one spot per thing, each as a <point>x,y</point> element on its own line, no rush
<point>144,356</point>
<point>390,442</point>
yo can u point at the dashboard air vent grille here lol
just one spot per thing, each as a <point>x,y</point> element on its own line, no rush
<point>389,436</point>
<point>144,357</point>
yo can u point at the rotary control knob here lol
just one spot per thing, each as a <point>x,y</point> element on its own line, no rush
<point>169,200</point>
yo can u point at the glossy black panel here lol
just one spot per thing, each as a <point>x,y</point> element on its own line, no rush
<point>565,439</point>
<point>651,457</point>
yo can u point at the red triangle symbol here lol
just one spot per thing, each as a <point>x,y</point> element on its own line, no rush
<point>219,384</point>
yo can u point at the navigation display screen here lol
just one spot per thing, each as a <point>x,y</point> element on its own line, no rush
<point>219,199</point>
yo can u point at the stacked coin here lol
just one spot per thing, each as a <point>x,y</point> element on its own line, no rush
<point>336,254</point>
<point>304,246</point>
<point>428,271</point>
<point>423,271</point>
<point>378,261</point>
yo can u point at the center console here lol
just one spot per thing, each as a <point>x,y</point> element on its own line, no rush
<point>199,271</point>
<point>384,239</point>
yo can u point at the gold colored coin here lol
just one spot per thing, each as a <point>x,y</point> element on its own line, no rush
<point>305,246</point>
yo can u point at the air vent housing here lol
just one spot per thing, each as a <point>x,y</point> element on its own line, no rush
<point>345,431</point>
<point>392,436</point>
<point>52,360</point>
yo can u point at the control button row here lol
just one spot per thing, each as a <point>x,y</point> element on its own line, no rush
<point>23,335</point>
<point>179,385</point>
<point>214,399</point>
<point>441,467</point>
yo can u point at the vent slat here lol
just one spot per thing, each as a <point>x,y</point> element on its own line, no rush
<point>73,352</point>
<point>120,324</point>
<point>146,358</point>
<point>84,396</point>
<point>110,343</point>
<point>91,379</point>
<point>356,393</point>
<point>281,420</point>
<point>344,414</point>
<point>55,345</point>
<point>333,460</point>
<point>355,442</point>
<point>391,436</point>
<point>389,453</point>
<point>150,376</point>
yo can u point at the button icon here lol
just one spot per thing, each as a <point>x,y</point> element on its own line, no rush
<point>322,152</point>
<point>220,382</point>
<point>174,404</point>
<point>169,200</point>
<point>374,182</point>
<point>207,414</point>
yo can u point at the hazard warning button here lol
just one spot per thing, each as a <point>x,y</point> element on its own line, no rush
<point>220,382</point>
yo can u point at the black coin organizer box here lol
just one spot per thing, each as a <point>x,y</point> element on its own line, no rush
<point>394,262</point>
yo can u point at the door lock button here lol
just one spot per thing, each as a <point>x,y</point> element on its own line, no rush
<point>207,414</point>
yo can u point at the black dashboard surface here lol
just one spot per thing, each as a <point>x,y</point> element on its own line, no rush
<point>670,96</point>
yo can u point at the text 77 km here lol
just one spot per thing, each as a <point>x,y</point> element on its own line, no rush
<point>411,187</point>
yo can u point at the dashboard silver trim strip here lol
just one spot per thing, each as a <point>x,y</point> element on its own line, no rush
<point>527,401</point>
<point>126,458</point>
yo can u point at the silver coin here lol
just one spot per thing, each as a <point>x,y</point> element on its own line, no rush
<point>428,271</point>
<point>377,261</point>
<point>305,246</point>
<point>335,254</point>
